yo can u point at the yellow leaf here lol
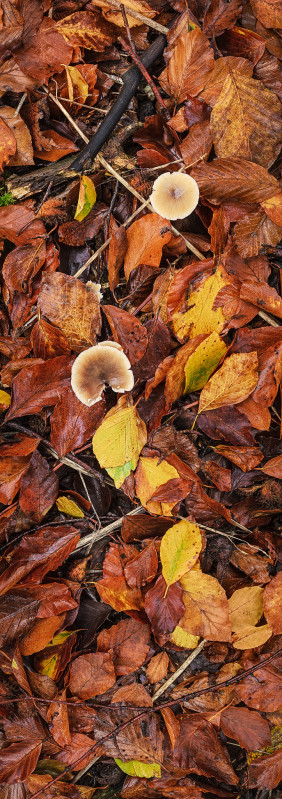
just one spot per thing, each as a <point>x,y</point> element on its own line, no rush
<point>203,362</point>
<point>74,78</point>
<point>86,198</point>
<point>119,440</point>
<point>245,607</point>
<point>180,637</point>
<point>5,400</point>
<point>138,769</point>
<point>206,607</point>
<point>200,316</point>
<point>151,475</point>
<point>69,507</point>
<point>233,383</point>
<point>180,548</point>
<point>251,637</point>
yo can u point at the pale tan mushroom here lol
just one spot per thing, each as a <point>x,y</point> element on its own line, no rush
<point>104,364</point>
<point>174,195</point>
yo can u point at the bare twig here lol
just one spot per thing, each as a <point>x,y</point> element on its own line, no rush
<point>104,531</point>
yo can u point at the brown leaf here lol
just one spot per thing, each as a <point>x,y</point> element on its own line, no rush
<point>222,69</point>
<point>8,144</point>
<point>220,476</point>
<point>246,104</point>
<point>164,607</point>
<point>265,771</point>
<point>199,749</point>
<point>80,749</point>
<point>157,668</point>
<point>206,607</point>
<point>23,155</point>
<point>143,568</point>
<point>91,675</point>
<point>77,233</point>
<point>146,238</point>
<point>261,690</point>
<point>273,208</point>
<point>87,29</point>
<point>58,720</point>
<point>38,554</point>
<point>262,295</point>
<point>197,145</point>
<point>133,694</point>
<point>234,178</point>
<point>47,53</point>
<point>59,146</point>
<point>242,42</point>
<point>273,467</point>
<point>36,386</point>
<point>136,528</point>
<point>18,761</point>
<point>22,264</point>
<point>116,252</point>
<point>248,560</point>
<point>272,605</point>
<point>245,457</point>
<point>12,78</point>
<point>14,348</point>
<point>72,424</point>
<point>128,332</point>
<point>14,462</point>
<point>71,306</point>
<point>247,727</point>
<point>189,66</point>
<point>128,642</point>
<point>253,231</point>
<point>13,218</point>
<point>268,12</point>
<point>40,634</point>
<point>220,16</point>
<point>39,489</point>
<point>48,341</point>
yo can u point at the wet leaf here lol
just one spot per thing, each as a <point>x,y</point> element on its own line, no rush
<point>146,238</point>
<point>72,307</point>
<point>206,607</point>
<point>39,489</point>
<point>200,317</point>
<point>91,675</point>
<point>189,66</point>
<point>272,603</point>
<point>128,641</point>
<point>248,727</point>
<point>138,769</point>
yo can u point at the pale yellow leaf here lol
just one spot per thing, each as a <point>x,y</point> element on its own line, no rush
<point>69,507</point>
<point>150,475</point>
<point>251,637</point>
<point>138,769</point>
<point>180,637</point>
<point>245,607</point>
<point>119,441</point>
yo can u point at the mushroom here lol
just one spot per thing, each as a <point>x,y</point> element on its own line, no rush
<point>93,369</point>
<point>174,195</point>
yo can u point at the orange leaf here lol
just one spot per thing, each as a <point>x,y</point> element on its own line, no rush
<point>146,239</point>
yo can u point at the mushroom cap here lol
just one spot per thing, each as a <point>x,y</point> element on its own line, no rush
<point>93,369</point>
<point>174,195</point>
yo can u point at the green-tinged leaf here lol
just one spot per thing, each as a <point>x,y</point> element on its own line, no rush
<point>86,198</point>
<point>119,440</point>
<point>202,363</point>
<point>138,769</point>
<point>180,548</point>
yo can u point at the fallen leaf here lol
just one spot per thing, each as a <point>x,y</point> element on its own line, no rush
<point>39,385</point>
<point>87,29</point>
<point>272,603</point>
<point>91,675</point>
<point>72,423</point>
<point>253,231</point>
<point>36,555</point>
<point>246,103</point>
<point>233,382</point>
<point>263,296</point>
<point>200,318</point>
<point>245,457</point>
<point>138,769</point>
<point>206,607</point>
<point>164,607</point>
<point>71,306</point>
<point>86,198</point>
<point>247,727</point>
<point>69,507</point>
<point>251,637</point>
<point>48,341</point>
<point>268,12</point>
<point>226,179</point>
<point>273,467</point>
<point>128,641</point>
<point>128,332</point>
<point>199,749</point>
<point>152,475</point>
<point>219,17</point>
<point>8,144</point>
<point>23,154</point>
<point>118,442</point>
<point>143,568</point>
<point>245,607</point>
<point>157,668</point>
<point>189,66</point>
<point>146,238</point>
<point>18,761</point>
<point>39,489</point>
<point>180,549</point>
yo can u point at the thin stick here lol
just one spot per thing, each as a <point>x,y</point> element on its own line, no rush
<point>98,534</point>
<point>268,319</point>
<point>66,114</point>
<point>130,48</point>
<point>179,671</point>
<point>20,104</point>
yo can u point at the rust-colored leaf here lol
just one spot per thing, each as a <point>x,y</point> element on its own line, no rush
<point>91,675</point>
<point>146,239</point>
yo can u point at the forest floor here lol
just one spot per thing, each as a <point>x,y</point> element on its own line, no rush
<point>140,536</point>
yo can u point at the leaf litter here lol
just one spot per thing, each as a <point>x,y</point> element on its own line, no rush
<point>140,581</point>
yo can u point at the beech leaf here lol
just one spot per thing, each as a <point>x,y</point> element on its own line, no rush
<point>118,442</point>
<point>233,382</point>
<point>180,549</point>
<point>86,198</point>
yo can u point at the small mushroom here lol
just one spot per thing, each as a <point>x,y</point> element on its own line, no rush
<point>174,195</point>
<point>93,369</point>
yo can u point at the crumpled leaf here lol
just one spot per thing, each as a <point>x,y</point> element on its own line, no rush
<point>119,440</point>
<point>86,198</point>
<point>39,385</point>
<point>180,549</point>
